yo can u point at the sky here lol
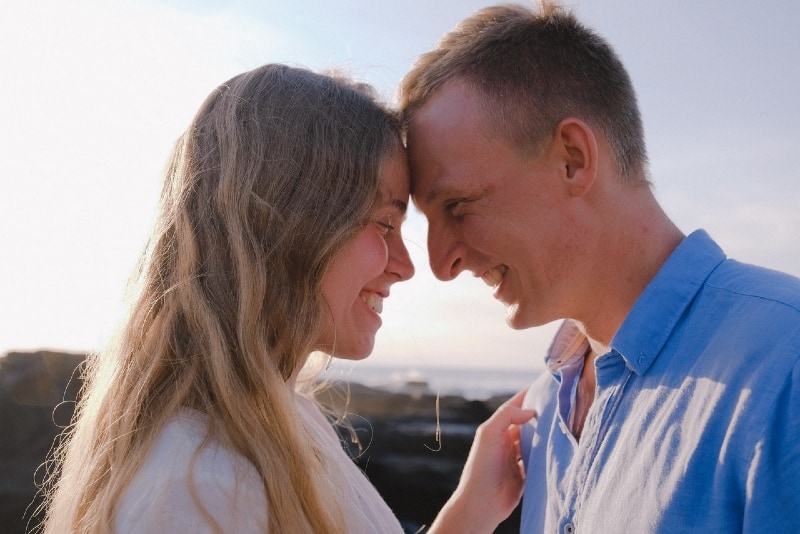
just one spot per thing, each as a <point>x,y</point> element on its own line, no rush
<point>94,93</point>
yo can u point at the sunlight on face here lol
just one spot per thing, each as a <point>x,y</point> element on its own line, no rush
<point>361,275</point>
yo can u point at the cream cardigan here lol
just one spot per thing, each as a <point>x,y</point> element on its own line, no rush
<point>160,497</point>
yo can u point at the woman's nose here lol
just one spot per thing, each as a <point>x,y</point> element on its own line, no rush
<point>400,263</point>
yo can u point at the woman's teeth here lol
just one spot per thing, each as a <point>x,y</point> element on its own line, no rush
<point>374,301</point>
<point>494,276</point>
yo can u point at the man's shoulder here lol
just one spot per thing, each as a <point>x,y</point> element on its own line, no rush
<point>755,282</point>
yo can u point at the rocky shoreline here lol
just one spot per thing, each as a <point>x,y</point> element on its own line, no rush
<point>399,452</point>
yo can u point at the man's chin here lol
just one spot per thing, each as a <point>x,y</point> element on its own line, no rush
<point>513,317</point>
<point>517,319</point>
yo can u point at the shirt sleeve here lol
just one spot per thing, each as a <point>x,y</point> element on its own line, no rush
<point>773,482</point>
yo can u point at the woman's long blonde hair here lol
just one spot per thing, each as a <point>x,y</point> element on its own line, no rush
<point>279,168</point>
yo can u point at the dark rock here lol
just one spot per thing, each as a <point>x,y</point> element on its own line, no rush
<point>413,467</point>
<point>413,457</point>
<point>37,394</point>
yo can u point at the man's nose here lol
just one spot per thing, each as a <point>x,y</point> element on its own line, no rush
<point>446,254</point>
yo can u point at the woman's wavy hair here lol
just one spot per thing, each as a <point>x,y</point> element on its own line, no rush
<point>279,168</point>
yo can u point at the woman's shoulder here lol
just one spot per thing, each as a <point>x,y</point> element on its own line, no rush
<point>184,449</point>
<point>186,427</point>
<point>187,476</point>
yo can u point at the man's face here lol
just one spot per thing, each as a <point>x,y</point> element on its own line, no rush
<point>491,210</point>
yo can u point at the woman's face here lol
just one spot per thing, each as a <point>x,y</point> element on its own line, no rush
<point>360,276</point>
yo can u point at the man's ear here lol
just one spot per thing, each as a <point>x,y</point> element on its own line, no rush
<point>579,155</point>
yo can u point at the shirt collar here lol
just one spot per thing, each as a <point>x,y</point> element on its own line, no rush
<point>569,345</point>
<point>656,312</point>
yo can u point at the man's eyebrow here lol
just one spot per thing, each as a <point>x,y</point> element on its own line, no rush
<point>433,195</point>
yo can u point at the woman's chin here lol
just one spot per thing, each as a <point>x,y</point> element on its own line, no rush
<point>361,352</point>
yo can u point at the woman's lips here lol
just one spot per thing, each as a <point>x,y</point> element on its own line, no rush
<point>373,300</point>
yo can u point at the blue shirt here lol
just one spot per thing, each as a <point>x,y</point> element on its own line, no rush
<point>695,426</point>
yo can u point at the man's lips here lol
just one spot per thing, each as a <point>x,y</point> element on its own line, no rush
<point>495,275</point>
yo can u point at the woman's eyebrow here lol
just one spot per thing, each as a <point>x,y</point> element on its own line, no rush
<point>401,206</point>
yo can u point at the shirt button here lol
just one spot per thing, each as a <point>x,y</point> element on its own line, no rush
<point>569,528</point>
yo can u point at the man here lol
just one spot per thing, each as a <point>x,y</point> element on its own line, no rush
<point>672,401</point>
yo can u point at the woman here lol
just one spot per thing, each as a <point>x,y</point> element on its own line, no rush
<point>278,236</point>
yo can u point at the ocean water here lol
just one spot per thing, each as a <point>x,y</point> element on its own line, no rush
<point>471,383</point>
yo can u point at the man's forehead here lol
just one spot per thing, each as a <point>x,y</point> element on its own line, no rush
<point>447,106</point>
<point>441,134</point>
<point>423,177</point>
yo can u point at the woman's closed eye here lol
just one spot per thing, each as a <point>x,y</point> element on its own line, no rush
<point>385,226</point>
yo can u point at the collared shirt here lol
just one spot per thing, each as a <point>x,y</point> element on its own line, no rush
<point>695,425</point>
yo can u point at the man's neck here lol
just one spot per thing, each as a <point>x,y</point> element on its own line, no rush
<point>636,241</point>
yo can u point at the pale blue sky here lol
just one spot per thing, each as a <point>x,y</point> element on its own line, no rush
<point>95,91</point>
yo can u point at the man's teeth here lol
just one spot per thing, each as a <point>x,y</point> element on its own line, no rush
<point>374,301</point>
<point>494,276</point>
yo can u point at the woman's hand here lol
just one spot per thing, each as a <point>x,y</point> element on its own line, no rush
<point>493,478</point>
